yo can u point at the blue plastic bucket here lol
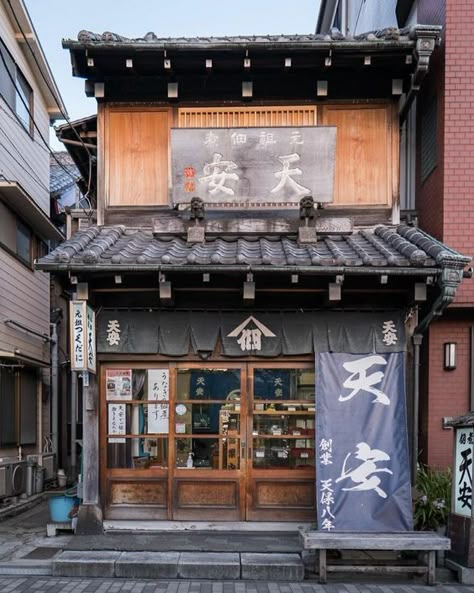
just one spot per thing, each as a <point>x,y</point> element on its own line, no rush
<point>60,507</point>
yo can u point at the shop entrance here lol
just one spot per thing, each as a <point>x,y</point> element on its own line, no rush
<point>224,442</point>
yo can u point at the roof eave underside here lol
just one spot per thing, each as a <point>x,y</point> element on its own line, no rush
<point>197,268</point>
<point>323,45</point>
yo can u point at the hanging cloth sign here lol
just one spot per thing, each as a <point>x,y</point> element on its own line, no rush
<point>257,333</point>
<point>363,479</point>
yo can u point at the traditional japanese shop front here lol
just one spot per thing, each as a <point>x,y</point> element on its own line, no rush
<point>213,415</point>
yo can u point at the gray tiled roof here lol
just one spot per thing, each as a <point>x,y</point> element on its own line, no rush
<point>388,34</point>
<point>119,248</point>
<point>59,179</point>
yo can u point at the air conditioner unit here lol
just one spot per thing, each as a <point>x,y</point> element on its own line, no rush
<point>18,477</point>
<point>5,480</point>
<point>46,460</point>
<point>12,478</point>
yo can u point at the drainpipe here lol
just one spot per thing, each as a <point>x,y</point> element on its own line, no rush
<point>417,339</point>
<point>54,386</point>
<point>344,27</point>
<point>73,424</point>
<point>451,277</point>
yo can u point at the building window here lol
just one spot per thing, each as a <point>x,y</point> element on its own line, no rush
<point>17,238</point>
<point>18,407</point>
<point>429,133</point>
<point>23,242</point>
<point>15,89</point>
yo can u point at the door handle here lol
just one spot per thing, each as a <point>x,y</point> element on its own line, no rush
<point>242,449</point>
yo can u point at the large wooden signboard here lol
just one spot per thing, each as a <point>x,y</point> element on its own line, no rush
<point>253,166</point>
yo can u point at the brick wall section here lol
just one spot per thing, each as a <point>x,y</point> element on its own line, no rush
<point>430,196</point>
<point>459,136</point>
<point>448,390</point>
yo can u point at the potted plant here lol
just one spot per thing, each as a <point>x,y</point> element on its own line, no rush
<point>432,499</point>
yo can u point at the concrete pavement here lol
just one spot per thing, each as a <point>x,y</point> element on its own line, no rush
<point>71,585</point>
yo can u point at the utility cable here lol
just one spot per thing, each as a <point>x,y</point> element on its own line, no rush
<point>13,81</point>
<point>36,179</point>
<point>47,81</point>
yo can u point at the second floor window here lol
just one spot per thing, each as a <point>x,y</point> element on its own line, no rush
<point>15,90</point>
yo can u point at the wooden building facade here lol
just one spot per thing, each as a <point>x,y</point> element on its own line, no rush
<point>211,305</point>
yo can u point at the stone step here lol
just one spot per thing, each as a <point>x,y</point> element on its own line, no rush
<point>182,565</point>
<point>27,567</point>
<point>271,567</point>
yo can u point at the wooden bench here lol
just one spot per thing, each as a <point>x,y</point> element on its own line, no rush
<point>419,541</point>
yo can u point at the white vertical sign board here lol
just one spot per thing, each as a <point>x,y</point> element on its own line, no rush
<point>78,332</point>
<point>83,350</point>
<point>90,336</point>
<point>463,471</point>
<point>117,424</point>
<point>158,389</point>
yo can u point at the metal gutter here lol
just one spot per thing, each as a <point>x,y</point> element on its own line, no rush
<point>323,44</point>
<point>310,270</point>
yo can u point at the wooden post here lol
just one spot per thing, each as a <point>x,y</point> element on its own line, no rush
<point>323,576</point>
<point>431,574</point>
<point>90,512</point>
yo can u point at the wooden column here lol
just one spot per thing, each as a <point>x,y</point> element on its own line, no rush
<point>90,512</point>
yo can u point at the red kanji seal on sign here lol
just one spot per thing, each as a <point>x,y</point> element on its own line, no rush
<point>189,172</point>
<point>189,186</point>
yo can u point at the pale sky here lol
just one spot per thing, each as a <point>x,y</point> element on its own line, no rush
<point>57,19</point>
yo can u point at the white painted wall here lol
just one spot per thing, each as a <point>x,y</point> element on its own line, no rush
<point>22,158</point>
<point>24,297</point>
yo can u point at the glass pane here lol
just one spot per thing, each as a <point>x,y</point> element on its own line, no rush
<point>137,453</point>
<point>208,453</point>
<point>197,453</point>
<point>283,453</point>
<point>207,418</point>
<point>23,242</point>
<point>281,424</point>
<point>138,419</point>
<point>139,384</point>
<point>209,384</point>
<point>284,384</point>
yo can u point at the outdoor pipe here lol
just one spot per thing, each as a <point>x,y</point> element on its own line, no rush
<point>73,424</point>
<point>417,339</point>
<point>54,386</point>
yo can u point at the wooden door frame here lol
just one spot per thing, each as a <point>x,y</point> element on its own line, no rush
<point>245,475</point>
<point>268,474</point>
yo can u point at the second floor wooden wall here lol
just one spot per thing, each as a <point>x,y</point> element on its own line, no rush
<point>134,147</point>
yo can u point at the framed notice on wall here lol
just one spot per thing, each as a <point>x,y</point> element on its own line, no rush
<point>118,384</point>
<point>158,389</point>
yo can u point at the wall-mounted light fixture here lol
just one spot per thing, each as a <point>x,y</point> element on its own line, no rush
<point>172,90</point>
<point>249,288</point>
<point>449,356</point>
<point>247,89</point>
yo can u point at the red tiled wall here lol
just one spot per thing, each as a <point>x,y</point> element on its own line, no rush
<point>448,390</point>
<point>458,229</point>
<point>430,193</point>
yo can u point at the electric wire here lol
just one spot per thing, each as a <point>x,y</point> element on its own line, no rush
<point>26,106</point>
<point>18,123</point>
<point>357,19</point>
<point>31,175</point>
<point>63,113</point>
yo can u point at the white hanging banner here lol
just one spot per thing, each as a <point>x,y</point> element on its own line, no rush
<point>90,338</point>
<point>158,389</point>
<point>463,471</point>
<point>77,316</point>
<point>117,424</point>
<point>83,342</point>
